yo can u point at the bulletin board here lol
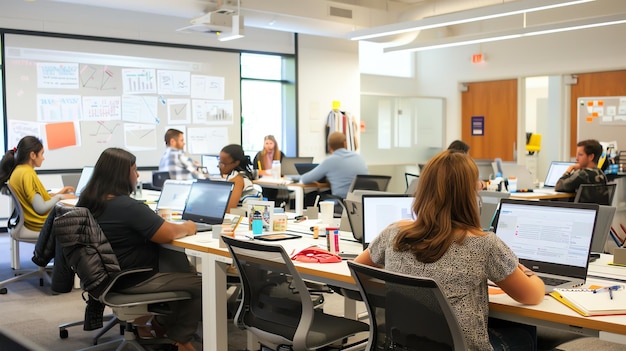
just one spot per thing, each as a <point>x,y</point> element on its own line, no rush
<point>81,97</point>
<point>602,118</point>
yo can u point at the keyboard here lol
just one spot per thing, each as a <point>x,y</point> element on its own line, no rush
<point>553,281</point>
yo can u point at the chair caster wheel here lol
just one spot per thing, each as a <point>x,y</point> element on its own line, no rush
<point>63,333</point>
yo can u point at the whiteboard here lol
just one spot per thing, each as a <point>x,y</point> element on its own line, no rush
<point>602,118</point>
<point>81,97</point>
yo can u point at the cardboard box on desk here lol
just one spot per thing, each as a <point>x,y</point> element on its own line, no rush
<point>619,256</point>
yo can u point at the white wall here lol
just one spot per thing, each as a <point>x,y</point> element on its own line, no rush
<point>328,69</point>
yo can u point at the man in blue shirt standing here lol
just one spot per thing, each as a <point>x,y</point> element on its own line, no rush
<point>175,160</point>
<point>340,168</point>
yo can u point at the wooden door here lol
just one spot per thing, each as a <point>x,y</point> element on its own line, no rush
<point>591,85</point>
<point>496,102</point>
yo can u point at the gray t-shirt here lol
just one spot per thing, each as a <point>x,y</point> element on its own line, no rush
<point>462,274</point>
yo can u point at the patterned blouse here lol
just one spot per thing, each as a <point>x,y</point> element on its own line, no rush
<point>462,274</point>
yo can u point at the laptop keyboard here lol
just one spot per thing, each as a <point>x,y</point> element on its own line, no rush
<point>553,281</point>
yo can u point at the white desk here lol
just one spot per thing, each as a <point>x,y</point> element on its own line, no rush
<point>297,188</point>
<point>600,268</point>
<point>549,313</point>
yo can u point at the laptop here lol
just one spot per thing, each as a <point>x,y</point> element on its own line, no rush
<point>85,175</point>
<point>70,179</point>
<point>303,168</point>
<point>174,194</point>
<point>525,179</point>
<point>354,210</point>
<point>552,238</point>
<point>603,226</point>
<point>379,211</point>
<point>211,164</point>
<point>288,167</point>
<point>555,172</point>
<point>207,202</point>
<point>489,200</point>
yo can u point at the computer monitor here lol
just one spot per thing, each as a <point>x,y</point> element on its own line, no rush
<point>85,175</point>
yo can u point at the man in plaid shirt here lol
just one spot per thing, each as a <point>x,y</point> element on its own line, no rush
<point>175,160</point>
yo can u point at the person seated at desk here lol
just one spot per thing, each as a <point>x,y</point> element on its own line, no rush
<point>175,160</point>
<point>463,147</point>
<point>446,243</point>
<point>235,167</point>
<point>340,168</point>
<point>585,170</point>
<point>263,159</point>
<point>18,167</point>
<point>135,233</point>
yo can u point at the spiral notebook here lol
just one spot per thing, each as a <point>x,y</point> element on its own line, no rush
<point>598,301</point>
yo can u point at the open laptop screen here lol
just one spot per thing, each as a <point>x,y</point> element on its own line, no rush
<point>379,211</point>
<point>174,194</point>
<point>556,171</point>
<point>547,233</point>
<point>207,201</point>
<point>211,164</point>
<point>85,175</point>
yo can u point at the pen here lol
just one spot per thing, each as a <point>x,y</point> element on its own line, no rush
<point>259,164</point>
<point>610,289</point>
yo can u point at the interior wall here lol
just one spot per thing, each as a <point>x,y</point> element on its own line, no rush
<point>328,70</point>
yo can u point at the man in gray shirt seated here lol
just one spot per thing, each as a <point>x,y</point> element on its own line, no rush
<point>340,168</point>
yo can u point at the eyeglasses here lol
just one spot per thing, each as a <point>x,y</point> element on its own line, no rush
<point>225,163</point>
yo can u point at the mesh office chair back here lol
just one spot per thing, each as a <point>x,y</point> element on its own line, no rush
<point>370,182</point>
<point>601,194</point>
<point>276,305</point>
<point>406,312</point>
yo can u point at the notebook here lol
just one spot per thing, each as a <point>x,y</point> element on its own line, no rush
<point>211,164</point>
<point>174,194</point>
<point>207,203</point>
<point>85,175</point>
<point>489,202</point>
<point>555,172</point>
<point>594,301</point>
<point>552,238</point>
<point>379,211</point>
<point>288,166</point>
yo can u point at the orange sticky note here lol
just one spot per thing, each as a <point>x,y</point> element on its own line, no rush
<point>590,103</point>
<point>60,135</point>
<point>595,114</point>
<point>600,103</point>
<point>589,119</point>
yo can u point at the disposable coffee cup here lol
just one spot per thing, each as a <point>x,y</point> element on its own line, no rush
<point>165,213</point>
<point>327,209</point>
<point>512,184</point>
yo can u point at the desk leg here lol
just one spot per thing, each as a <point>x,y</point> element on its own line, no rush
<point>299,200</point>
<point>214,322</point>
<point>349,308</point>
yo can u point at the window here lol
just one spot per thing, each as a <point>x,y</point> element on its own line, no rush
<point>268,102</point>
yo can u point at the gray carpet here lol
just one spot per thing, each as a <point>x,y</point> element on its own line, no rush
<point>32,312</point>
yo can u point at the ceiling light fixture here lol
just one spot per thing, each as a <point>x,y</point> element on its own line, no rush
<point>591,22</point>
<point>473,15</point>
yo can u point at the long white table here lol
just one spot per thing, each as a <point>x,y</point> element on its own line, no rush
<point>550,313</point>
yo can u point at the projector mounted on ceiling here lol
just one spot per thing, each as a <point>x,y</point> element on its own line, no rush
<point>219,21</point>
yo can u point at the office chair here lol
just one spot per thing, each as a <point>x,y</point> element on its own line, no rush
<point>601,194</point>
<point>19,233</point>
<point>158,178</point>
<point>276,305</point>
<point>98,270</point>
<point>409,177</point>
<point>370,182</point>
<point>406,312</point>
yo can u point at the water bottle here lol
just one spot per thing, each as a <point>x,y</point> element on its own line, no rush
<point>257,223</point>
<point>276,169</point>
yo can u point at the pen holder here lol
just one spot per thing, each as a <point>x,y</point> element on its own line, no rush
<point>311,212</point>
